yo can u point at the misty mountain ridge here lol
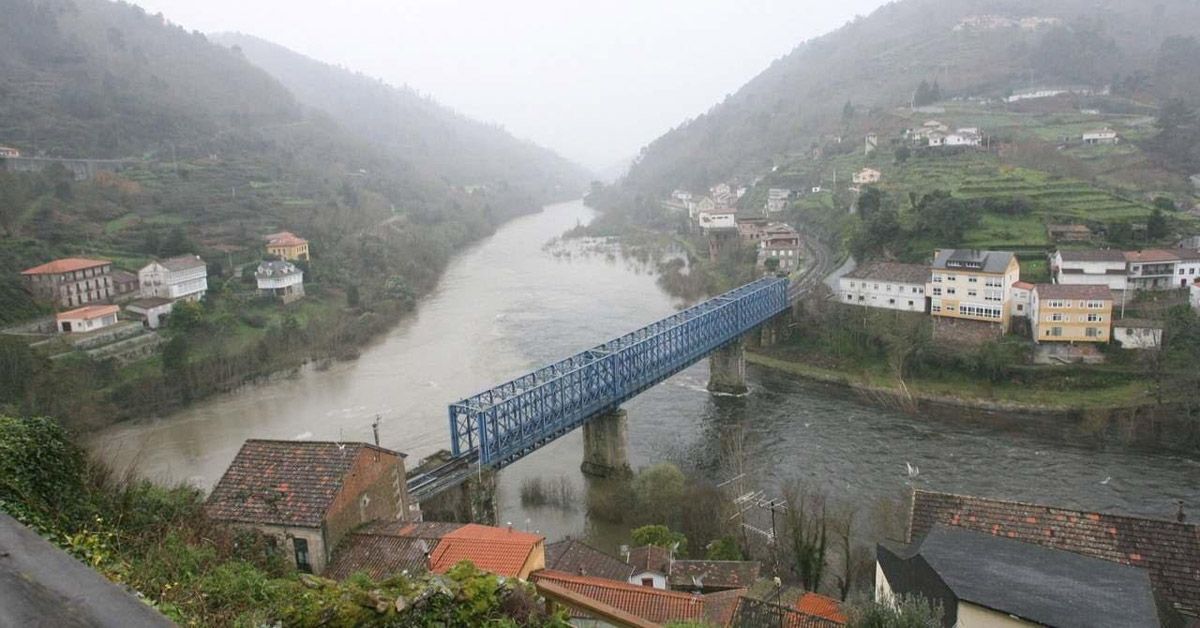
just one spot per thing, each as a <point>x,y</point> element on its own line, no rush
<point>973,48</point>
<point>413,126</point>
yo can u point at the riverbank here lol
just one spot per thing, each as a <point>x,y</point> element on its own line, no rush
<point>1127,415</point>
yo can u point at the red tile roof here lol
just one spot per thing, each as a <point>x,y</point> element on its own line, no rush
<point>501,551</point>
<point>713,574</point>
<point>67,265</point>
<point>1151,256</point>
<point>283,482</point>
<point>753,613</point>
<point>651,604</point>
<point>821,606</point>
<point>286,239</point>
<point>1169,551</point>
<point>386,548</point>
<point>1023,285</point>
<point>88,312</point>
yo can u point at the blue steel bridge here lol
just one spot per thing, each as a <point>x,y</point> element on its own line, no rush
<point>497,427</point>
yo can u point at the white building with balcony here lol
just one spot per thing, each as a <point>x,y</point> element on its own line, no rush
<point>886,285</point>
<point>184,277</point>
<point>282,280</point>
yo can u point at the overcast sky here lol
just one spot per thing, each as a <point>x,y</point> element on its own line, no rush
<point>595,80</point>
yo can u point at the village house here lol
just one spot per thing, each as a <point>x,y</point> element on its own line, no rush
<point>782,243</point>
<point>983,579</point>
<point>867,176</point>
<point>281,280</point>
<point>887,285</point>
<point>1101,136</point>
<point>307,495</point>
<point>872,143</point>
<point>1154,269</point>
<point>1071,313</point>
<point>718,219</point>
<point>86,318</point>
<point>651,564</point>
<point>778,199</point>
<point>153,311</point>
<point>1090,267</point>
<point>124,283</point>
<point>722,194</point>
<point>657,568</point>
<point>1135,333</point>
<point>1020,297</point>
<point>1168,550</point>
<point>287,246</point>
<point>392,547</point>
<point>70,282</point>
<point>961,137</point>
<point>178,278</point>
<point>576,557</point>
<point>817,605</point>
<point>972,285</point>
<point>751,228</point>
<point>8,152</point>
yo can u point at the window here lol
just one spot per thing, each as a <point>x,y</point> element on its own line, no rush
<point>1095,305</point>
<point>950,291</point>
<point>1058,318</point>
<point>1020,308</point>
<point>937,292</point>
<point>951,278</point>
<point>1055,332</point>
<point>1095,318</point>
<point>301,548</point>
<point>972,280</point>
<point>935,309</point>
<point>1092,332</point>
<point>1058,303</point>
<point>648,582</point>
<point>1128,331</point>
<point>937,279</point>
<point>910,304</point>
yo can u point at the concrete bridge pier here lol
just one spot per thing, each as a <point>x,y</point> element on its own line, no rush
<point>606,446</point>
<point>727,369</point>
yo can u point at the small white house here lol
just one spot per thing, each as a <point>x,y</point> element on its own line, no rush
<point>152,310</point>
<point>651,565</point>
<point>1138,334</point>
<point>1101,136</point>
<point>183,277</point>
<point>87,318</point>
<point>1090,267</point>
<point>7,152</point>
<point>280,279</point>
<point>718,219</point>
<point>885,285</point>
<point>1020,298</point>
<point>867,176</point>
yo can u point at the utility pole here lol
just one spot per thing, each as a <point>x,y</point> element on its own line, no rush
<point>375,429</point>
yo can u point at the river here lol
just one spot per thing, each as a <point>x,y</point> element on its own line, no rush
<point>511,303</point>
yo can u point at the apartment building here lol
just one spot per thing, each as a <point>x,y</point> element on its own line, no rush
<point>972,285</point>
<point>70,282</point>
<point>178,278</point>
<point>1093,267</point>
<point>1066,313</point>
<point>886,285</point>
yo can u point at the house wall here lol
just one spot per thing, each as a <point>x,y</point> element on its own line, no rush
<point>1019,302</point>
<point>283,535</point>
<point>73,289</point>
<point>890,295</point>
<point>1111,274</point>
<point>373,490</point>
<point>945,304</point>
<point>156,280</point>
<point>85,324</point>
<point>1074,324</point>
<point>660,580</point>
<point>536,561</point>
<point>972,616</point>
<point>290,253</point>
<point>1186,272</point>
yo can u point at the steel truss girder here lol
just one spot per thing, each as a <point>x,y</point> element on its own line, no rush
<point>507,422</point>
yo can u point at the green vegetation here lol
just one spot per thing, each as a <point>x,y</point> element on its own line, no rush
<point>903,612</point>
<point>660,536</point>
<point>158,542</point>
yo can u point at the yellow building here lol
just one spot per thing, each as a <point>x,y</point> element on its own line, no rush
<point>972,285</point>
<point>1071,313</point>
<point>287,246</point>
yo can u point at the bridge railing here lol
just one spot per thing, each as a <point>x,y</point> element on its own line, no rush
<point>517,417</point>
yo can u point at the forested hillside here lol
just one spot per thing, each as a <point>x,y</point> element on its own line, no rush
<point>216,154</point>
<point>971,48</point>
<point>415,127</point>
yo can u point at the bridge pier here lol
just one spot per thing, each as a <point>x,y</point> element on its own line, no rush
<point>727,369</point>
<point>606,445</point>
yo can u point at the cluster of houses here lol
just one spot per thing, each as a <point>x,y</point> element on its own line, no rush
<point>84,291</point>
<point>936,134</point>
<point>337,509</point>
<point>985,286</point>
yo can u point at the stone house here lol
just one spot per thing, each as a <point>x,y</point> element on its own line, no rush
<point>388,548</point>
<point>307,495</point>
<point>70,282</point>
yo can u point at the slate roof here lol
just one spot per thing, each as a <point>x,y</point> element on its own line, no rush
<point>1092,255</point>
<point>66,265</point>
<point>1138,323</point>
<point>576,557</point>
<point>891,271</point>
<point>1038,584</point>
<point>821,606</point>
<point>1073,291</point>
<point>147,303</point>
<point>994,262</point>
<point>502,551</point>
<point>276,269</point>
<point>1169,551</point>
<point>713,574</point>
<point>655,605</point>
<point>183,262</point>
<point>386,548</point>
<point>283,482</point>
<point>650,558</point>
